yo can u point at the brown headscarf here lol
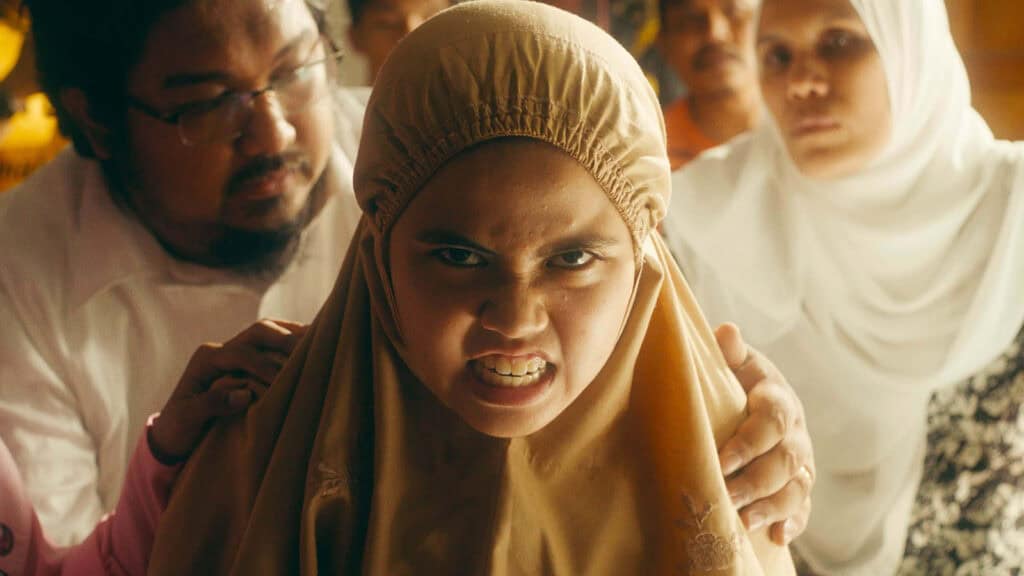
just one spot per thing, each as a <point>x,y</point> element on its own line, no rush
<point>349,465</point>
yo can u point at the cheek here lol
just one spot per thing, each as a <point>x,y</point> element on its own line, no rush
<point>869,92</point>
<point>315,133</point>
<point>184,183</point>
<point>588,323</point>
<point>773,92</point>
<point>434,321</point>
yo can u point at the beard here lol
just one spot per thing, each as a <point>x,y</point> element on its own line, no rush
<point>266,254</point>
<point>261,255</point>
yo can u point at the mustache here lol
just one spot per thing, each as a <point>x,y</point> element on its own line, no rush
<point>264,165</point>
<point>702,59</point>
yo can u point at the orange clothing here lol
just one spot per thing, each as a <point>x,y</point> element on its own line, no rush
<point>685,140</point>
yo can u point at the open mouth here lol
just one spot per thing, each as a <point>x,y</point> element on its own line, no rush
<point>509,372</point>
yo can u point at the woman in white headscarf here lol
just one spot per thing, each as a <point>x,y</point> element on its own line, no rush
<point>867,238</point>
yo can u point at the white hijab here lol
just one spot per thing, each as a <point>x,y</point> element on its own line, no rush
<point>872,290</point>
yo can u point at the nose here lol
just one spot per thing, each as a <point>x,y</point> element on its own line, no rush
<point>515,310</point>
<point>268,131</point>
<point>807,79</point>
<point>719,28</point>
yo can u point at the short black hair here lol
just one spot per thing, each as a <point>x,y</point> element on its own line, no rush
<point>92,45</point>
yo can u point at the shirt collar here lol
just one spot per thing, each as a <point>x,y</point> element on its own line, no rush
<point>109,244</point>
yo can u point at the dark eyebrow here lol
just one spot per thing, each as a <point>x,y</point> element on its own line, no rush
<point>439,236</point>
<point>837,16</point>
<point>586,242</point>
<point>219,77</point>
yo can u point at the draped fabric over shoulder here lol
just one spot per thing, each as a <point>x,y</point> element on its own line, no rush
<point>869,291</point>
<point>349,465</point>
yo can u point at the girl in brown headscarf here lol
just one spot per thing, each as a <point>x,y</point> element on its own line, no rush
<point>511,376</point>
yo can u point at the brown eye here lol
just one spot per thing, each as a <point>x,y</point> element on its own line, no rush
<point>459,257</point>
<point>836,43</point>
<point>776,59</point>
<point>572,259</point>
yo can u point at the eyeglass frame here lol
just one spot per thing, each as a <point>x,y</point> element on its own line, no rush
<point>246,97</point>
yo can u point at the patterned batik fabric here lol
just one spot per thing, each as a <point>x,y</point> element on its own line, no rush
<point>969,514</point>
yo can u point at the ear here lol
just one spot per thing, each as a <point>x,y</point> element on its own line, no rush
<point>76,104</point>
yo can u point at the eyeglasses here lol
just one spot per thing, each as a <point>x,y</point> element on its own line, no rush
<point>223,119</point>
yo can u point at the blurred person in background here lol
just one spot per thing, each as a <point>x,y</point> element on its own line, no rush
<point>710,46</point>
<point>378,25</point>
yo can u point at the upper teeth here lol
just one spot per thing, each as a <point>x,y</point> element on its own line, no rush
<point>514,366</point>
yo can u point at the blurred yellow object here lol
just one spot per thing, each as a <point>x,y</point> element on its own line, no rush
<point>11,39</point>
<point>30,138</point>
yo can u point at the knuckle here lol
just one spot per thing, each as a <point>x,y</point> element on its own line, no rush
<point>779,420</point>
<point>803,483</point>
<point>740,447</point>
<point>792,462</point>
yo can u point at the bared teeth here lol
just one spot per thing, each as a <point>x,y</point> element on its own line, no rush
<point>506,366</point>
<point>489,369</point>
<point>503,366</point>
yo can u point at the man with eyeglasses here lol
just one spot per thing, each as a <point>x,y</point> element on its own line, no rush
<point>209,186</point>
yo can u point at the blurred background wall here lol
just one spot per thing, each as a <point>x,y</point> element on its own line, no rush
<point>990,34</point>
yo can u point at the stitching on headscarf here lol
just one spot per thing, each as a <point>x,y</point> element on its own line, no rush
<point>707,551</point>
<point>331,483</point>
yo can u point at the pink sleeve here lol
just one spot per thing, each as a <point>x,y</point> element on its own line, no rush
<point>23,548</point>
<point>122,541</point>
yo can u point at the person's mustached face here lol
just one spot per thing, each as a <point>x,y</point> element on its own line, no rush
<point>230,162</point>
<point>710,43</point>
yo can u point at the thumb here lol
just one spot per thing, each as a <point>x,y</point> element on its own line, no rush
<point>731,343</point>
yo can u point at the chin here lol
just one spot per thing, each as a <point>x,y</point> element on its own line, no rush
<point>827,164</point>
<point>496,424</point>
<point>265,215</point>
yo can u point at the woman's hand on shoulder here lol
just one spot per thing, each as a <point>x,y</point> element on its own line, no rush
<point>221,379</point>
<point>769,461</point>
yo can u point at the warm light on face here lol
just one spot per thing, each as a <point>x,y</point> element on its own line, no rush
<point>710,43</point>
<point>825,84</point>
<point>512,274</point>
<point>257,181</point>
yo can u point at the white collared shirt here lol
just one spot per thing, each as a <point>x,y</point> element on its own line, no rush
<point>97,323</point>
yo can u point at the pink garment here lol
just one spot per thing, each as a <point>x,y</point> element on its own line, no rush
<point>119,545</point>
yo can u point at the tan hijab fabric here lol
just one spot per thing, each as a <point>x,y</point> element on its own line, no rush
<point>349,465</point>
